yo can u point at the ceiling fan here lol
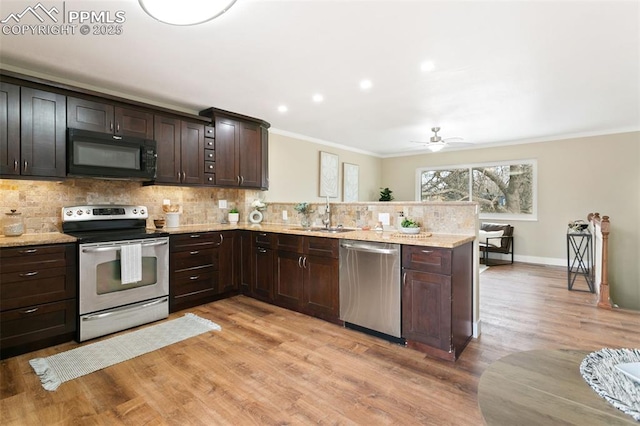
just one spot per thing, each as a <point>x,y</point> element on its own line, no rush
<point>437,143</point>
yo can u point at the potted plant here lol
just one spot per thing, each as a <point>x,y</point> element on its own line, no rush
<point>410,226</point>
<point>234,216</point>
<point>305,210</point>
<point>385,194</point>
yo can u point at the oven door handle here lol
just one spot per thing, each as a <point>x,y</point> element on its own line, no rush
<point>124,308</point>
<point>114,248</point>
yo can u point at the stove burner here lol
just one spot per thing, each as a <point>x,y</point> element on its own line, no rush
<point>101,223</point>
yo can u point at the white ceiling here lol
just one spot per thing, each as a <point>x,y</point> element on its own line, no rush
<point>505,71</point>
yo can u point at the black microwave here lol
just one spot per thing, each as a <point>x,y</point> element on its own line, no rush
<point>106,156</point>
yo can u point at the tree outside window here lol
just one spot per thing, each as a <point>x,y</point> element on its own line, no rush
<point>504,190</point>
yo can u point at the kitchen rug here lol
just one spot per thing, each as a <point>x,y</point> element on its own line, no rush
<point>599,370</point>
<point>59,368</point>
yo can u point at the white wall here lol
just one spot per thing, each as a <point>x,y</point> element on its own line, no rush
<point>294,170</point>
<point>575,177</point>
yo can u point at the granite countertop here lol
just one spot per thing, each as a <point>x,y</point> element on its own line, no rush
<point>36,239</point>
<point>435,240</point>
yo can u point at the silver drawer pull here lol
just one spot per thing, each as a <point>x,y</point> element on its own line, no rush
<point>194,252</point>
<point>195,277</point>
<point>29,251</point>
<point>29,274</point>
<point>30,311</point>
<point>194,235</point>
<point>427,251</point>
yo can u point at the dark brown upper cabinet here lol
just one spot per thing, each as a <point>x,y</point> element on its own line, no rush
<point>108,118</point>
<point>9,129</point>
<point>241,150</point>
<point>180,151</point>
<point>32,132</point>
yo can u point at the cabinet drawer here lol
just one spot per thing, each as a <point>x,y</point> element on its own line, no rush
<point>209,155</point>
<point>209,131</point>
<point>209,144</point>
<point>26,325</point>
<point>209,167</point>
<point>194,281</point>
<point>319,246</point>
<point>289,242</point>
<point>197,258</point>
<point>209,178</point>
<point>427,259</point>
<point>263,239</point>
<point>19,289</point>
<point>28,259</point>
<point>195,241</point>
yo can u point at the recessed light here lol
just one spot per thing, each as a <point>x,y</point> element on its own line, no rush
<point>283,108</point>
<point>427,66</point>
<point>318,97</point>
<point>366,84</point>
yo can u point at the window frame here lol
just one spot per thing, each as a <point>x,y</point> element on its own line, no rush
<point>533,216</point>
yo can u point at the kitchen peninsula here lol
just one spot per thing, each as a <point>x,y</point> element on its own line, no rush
<point>249,259</point>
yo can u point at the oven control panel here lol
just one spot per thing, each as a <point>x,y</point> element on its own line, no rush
<point>103,212</point>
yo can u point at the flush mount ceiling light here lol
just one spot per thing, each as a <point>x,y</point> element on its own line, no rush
<point>185,12</point>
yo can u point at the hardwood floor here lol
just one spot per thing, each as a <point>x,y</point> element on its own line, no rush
<point>273,366</point>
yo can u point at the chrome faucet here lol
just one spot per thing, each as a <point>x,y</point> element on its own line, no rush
<point>326,220</point>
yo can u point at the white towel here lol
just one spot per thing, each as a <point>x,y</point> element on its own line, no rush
<point>130,263</point>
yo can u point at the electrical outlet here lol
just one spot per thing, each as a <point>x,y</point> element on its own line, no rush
<point>222,204</point>
<point>285,215</point>
<point>166,202</point>
<point>384,218</point>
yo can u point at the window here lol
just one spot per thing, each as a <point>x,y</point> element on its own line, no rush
<point>505,190</point>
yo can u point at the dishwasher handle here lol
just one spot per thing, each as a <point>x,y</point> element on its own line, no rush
<point>368,248</point>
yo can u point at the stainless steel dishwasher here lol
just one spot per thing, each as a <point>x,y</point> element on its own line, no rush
<point>370,293</point>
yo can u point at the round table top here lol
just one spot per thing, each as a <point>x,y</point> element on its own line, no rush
<point>543,387</point>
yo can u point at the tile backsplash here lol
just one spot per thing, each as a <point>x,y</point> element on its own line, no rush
<point>40,203</point>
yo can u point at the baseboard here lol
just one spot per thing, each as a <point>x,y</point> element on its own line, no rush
<point>476,329</point>
<point>551,261</point>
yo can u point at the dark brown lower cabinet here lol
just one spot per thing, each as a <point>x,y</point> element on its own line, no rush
<point>37,297</point>
<point>306,275</point>
<point>437,299</point>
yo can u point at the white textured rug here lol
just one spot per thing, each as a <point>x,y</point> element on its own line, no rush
<point>59,368</point>
<point>599,371</point>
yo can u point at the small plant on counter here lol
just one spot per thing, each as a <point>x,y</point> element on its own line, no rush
<point>385,194</point>
<point>410,223</point>
<point>234,210</point>
<point>303,208</point>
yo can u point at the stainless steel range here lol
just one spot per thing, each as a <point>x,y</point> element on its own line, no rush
<point>123,268</point>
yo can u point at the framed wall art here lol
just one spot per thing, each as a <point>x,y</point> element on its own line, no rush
<point>329,170</point>
<point>350,184</point>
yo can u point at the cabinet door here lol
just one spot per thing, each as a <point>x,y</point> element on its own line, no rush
<point>288,276</point>
<point>167,132</point>
<point>132,122</point>
<point>246,260</point>
<point>43,133</point>
<point>227,137</point>
<point>192,153</point>
<point>229,261</point>
<point>249,155</point>
<point>321,292</point>
<point>9,129</point>
<point>89,115</point>
<point>262,283</point>
<point>426,309</point>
